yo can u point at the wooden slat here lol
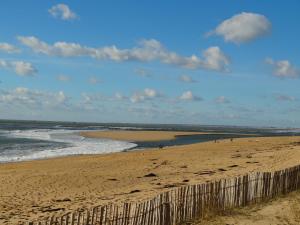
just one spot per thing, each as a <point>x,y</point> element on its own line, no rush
<point>187,202</point>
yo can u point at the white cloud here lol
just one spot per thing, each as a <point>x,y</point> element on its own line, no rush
<point>222,100</point>
<point>137,97</point>
<point>24,68</point>
<point>8,48</point>
<point>187,79</point>
<point>189,96</point>
<point>286,98</point>
<point>147,94</point>
<point>94,80</point>
<point>283,68</point>
<point>119,96</point>
<point>89,98</point>
<point>243,27</point>
<point>215,59</point>
<point>147,50</point>
<point>61,97</point>
<point>57,49</point>
<point>63,78</point>
<point>25,97</point>
<point>86,98</point>
<point>151,93</point>
<point>21,68</point>
<point>63,12</point>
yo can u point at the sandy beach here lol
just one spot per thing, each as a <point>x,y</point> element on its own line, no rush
<point>137,135</point>
<point>37,189</point>
<point>282,210</point>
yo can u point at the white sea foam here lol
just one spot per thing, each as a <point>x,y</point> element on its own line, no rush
<point>77,145</point>
<point>292,130</point>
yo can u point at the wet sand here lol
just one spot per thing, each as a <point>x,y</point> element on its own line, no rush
<point>36,189</point>
<point>137,135</point>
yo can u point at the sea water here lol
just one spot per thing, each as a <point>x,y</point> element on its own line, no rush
<point>30,140</point>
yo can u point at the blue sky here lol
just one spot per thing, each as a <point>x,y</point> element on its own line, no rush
<point>208,62</point>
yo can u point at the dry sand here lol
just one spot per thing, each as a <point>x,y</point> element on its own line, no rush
<point>137,135</point>
<point>280,211</point>
<point>30,190</point>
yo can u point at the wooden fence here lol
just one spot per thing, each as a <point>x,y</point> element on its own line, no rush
<point>188,202</point>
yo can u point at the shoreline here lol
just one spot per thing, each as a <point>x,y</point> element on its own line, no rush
<point>156,136</point>
<point>31,189</point>
<point>144,140</point>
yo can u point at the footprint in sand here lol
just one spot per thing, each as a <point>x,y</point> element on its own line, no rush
<point>112,179</point>
<point>205,172</point>
<point>134,191</point>
<point>232,166</point>
<point>150,175</point>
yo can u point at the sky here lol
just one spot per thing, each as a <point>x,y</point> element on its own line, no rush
<point>180,62</point>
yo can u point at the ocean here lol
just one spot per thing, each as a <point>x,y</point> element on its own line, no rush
<point>30,140</point>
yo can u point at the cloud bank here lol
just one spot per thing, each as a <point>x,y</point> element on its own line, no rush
<point>146,94</point>
<point>33,98</point>
<point>147,50</point>
<point>8,48</point>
